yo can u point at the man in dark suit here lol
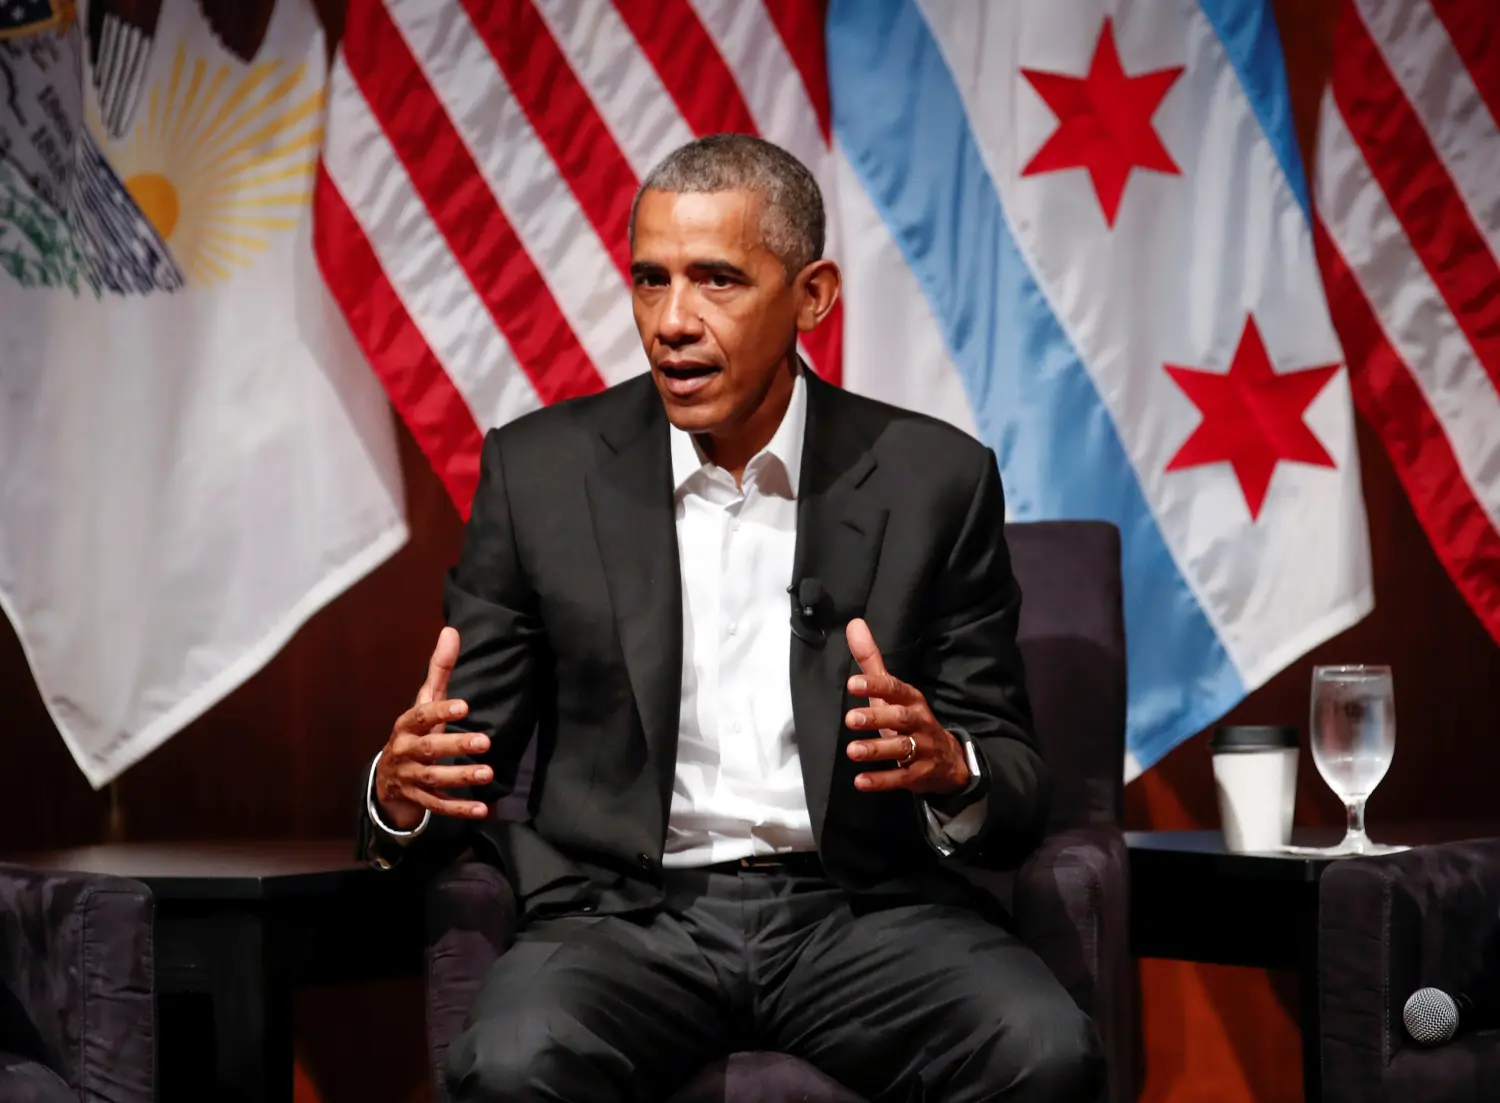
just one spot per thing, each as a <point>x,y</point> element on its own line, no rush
<point>742,805</point>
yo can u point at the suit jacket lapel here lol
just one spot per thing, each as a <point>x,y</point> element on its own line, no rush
<point>630,495</point>
<point>839,532</point>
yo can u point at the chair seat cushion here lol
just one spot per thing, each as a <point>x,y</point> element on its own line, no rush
<point>763,1078</point>
<point>26,1081</point>
<point>1458,1070</point>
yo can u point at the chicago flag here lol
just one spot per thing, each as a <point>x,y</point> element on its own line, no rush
<point>1105,210</point>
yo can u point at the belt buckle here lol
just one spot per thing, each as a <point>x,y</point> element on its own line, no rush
<point>767,862</point>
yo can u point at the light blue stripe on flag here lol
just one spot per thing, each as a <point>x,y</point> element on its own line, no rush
<point>901,122</point>
<point>1247,29</point>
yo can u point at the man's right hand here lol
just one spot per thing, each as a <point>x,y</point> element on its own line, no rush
<point>409,781</point>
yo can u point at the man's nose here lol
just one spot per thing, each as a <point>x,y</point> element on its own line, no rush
<point>679,323</point>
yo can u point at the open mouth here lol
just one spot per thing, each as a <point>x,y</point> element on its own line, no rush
<point>684,379</point>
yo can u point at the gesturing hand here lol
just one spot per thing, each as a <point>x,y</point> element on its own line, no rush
<point>929,759</point>
<point>408,781</point>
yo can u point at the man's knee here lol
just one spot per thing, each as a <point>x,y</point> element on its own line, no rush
<point>1050,1053</point>
<point>513,1059</point>
<point>1047,1050</point>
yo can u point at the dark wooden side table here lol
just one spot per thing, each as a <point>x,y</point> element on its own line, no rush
<point>1192,900</point>
<point>245,925</point>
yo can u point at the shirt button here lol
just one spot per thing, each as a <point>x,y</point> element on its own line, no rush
<point>645,861</point>
<point>734,627</point>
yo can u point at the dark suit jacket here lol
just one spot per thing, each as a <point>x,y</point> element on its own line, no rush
<point>568,601</point>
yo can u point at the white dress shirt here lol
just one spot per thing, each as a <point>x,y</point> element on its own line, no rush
<point>738,787</point>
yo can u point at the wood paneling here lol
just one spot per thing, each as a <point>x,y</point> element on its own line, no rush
<point>282,755</point>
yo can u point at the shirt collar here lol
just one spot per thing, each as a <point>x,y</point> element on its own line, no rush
<point>785,445</point>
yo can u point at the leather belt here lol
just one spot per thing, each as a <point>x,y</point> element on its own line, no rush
<point>796,863</point>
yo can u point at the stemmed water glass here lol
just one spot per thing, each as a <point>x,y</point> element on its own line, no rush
<point>1353,739</point>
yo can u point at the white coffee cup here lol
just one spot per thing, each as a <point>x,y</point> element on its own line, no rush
<point>1255,773</point>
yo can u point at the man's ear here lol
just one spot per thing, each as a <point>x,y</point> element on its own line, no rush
<point>818,289</point>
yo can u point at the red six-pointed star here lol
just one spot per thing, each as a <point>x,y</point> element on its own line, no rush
<point>1252,417</point>
<point>1103,122</point>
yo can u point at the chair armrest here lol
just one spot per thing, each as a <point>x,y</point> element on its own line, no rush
<point>26,1081</point>
<point>1386,927</point>
<point>77,978</point>
<point>1072,906</point>
<point>471,920</point>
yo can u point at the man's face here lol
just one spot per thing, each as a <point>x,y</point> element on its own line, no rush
<point>716,312</point>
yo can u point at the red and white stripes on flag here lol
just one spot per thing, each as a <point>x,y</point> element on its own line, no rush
<point>481,156</point>
<point>1408,234</point>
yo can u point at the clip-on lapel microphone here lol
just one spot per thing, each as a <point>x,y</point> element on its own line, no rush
<point>806,597</point>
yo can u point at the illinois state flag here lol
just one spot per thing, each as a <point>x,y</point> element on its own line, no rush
<point>1106,213</point>
<point>193,456</point>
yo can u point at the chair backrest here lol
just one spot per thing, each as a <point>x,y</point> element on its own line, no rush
<point>1072,638</point>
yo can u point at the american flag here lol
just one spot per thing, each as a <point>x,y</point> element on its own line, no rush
<point>472,208</point>
<point>1408,234</point>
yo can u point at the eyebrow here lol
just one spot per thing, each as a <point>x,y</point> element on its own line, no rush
<point>642,268</point>
<point>717,268</point>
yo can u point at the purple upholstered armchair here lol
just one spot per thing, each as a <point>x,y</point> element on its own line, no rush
<point>1386,927</point>
<point>1068,899</point>
<point>77,999</point>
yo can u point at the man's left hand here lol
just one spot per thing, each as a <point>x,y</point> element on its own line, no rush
<point>930,759</point>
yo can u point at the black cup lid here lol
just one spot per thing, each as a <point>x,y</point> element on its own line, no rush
<point>1233,738</point>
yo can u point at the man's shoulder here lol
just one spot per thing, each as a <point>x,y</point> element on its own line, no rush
<point>906,439</point>
<point>572,425</point>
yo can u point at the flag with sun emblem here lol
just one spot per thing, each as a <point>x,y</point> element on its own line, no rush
<point>195,456</point>
<point>1103,206</point>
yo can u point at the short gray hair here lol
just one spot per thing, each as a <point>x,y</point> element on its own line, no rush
<point>792,222</point>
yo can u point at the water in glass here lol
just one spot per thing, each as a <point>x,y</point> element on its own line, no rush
<point>1353,738</point>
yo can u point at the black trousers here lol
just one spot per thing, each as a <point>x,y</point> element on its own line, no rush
<point>898,1000</point>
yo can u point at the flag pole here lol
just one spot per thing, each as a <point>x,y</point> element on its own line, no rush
<point>114,823</point>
